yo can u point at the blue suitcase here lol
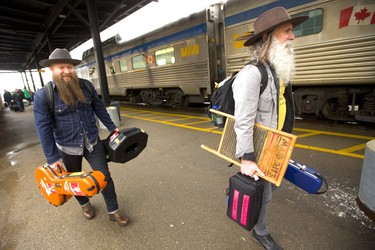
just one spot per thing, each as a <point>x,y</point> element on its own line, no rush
<point>305,178</point>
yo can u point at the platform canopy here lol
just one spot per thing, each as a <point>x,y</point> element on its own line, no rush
<point>32,29</point>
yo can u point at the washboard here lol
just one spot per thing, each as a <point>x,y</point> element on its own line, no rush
<point>273,148</point>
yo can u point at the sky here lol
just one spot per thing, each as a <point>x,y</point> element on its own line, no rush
<point>150,17</point>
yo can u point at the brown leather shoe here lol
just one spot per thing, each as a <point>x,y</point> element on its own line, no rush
<point>121,220</point>
<point>88,211</point>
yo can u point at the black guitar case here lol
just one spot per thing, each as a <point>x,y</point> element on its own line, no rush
<point>125,145</point>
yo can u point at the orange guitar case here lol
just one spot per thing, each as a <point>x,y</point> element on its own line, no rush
<point>58,187</point>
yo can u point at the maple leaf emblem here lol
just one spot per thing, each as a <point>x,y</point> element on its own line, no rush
<point>362,15</point>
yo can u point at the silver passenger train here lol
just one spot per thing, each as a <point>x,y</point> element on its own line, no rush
<point>179,64</point>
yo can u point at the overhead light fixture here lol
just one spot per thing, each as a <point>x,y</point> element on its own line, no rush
<point>62,16</point>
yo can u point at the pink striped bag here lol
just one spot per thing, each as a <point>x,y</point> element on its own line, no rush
<point>245,200</point>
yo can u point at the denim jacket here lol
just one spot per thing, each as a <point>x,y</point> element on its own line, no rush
<point>250,108</point>
<point>68,125</point>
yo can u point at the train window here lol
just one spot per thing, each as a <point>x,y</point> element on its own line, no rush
<point>165,56</point>
<point>123,66</point>
<point>139,62</point>
<point>313,25</point>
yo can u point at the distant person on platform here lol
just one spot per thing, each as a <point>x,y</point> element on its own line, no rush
<point>8,97</point>
<point>27,95</point>
<point>19,98</point>
<point>272,45</point>
<point>70,132</point>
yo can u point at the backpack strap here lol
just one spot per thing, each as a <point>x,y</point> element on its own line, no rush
<point>263,74</point>
<point>86,85</point>
<point>48,91</point>
<point>264,77</point>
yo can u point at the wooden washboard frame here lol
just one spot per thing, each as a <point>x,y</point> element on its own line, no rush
<point>273,148</point>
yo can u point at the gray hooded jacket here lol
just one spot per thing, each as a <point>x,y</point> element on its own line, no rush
<point>250,108</point>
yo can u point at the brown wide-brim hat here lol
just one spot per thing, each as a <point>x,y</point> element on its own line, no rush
<point>268,20</point>
<point>59,56</point>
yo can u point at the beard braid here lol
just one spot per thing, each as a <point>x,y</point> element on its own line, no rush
<point>281,57</point>
<point>69,91</point>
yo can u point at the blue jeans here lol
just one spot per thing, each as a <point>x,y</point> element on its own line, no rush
<point>97,161</point>
<point>21,106</point>
<point>261,227</point>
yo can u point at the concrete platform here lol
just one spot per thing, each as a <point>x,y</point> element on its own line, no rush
<point>174,195</point>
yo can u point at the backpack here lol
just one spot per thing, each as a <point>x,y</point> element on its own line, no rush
<point>222,98</point>
<point>48,90</point>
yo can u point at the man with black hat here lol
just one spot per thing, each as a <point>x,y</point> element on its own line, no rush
<point>272,45</point>
<point>69,132</point>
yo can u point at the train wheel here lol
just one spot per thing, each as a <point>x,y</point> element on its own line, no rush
<point>149,100</point>
<point>146,96</point>
<point>331,110</point>
<point>185,101</point>
<point>135,99</point>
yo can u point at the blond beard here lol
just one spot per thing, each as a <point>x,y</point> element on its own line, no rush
<point>281,57</point>
<point>69,91</point>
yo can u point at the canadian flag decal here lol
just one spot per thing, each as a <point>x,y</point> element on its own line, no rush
<point>357,15</point>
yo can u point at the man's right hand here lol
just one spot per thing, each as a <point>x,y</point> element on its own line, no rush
<point>250,168</point>
<point>55,165</point>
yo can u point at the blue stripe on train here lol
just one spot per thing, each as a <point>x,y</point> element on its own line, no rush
<point>185,34</point>
<point>201,28</point>
<point>253,13</point>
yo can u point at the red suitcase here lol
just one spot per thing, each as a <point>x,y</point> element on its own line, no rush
<point>59,187</point>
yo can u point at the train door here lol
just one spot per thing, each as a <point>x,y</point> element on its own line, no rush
<point>215,38</point>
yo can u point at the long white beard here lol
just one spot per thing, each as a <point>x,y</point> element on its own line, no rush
<point>281,57</point>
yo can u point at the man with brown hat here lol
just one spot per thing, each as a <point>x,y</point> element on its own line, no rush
<point>271,43</point>
<point>69,132</point>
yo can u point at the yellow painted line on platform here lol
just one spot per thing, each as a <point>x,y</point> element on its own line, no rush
<point>208,130</point>
<point>157,117</point>
<point>335,134</point>
<point>151,115</point>
<point>354,148</point>
<point>308,134</point>
<point>134,113</point>
<point>192,123</point>
<point>179,119</point>
<point>168,114</point>
<point>332,151</point>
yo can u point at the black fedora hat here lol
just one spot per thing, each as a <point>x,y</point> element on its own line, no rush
<point>59,56</point>
<point>268,20</point>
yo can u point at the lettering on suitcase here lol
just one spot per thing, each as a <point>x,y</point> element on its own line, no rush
<point>235,204</point>
<point>76,190</point>
<point>48,188</point>
<point>245,206</point>
<point>245,200</point>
